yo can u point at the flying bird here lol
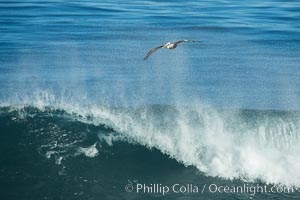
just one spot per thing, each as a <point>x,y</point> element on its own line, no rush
<point>168,45</point>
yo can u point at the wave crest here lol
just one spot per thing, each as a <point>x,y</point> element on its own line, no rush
<point>231,144</point>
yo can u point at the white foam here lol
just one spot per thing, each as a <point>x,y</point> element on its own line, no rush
<point>110,138</point>
<point>264,152</point>
<point>90,151</point>
<point>217,144</point>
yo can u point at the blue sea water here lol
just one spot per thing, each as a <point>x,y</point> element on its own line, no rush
<point>78,100</point>
<point>248,56</point>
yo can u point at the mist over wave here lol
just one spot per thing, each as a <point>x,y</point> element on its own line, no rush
<point>233,144</point>
<point>81,112</point>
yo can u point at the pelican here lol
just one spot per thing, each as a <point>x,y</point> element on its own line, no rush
<point>168,45</point>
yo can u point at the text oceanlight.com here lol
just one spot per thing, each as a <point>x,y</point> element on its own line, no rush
<point>251,189</point>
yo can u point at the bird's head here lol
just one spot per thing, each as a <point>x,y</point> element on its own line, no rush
<point>167,44</point>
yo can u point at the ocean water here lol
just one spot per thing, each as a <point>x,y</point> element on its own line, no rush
<point>83,116</point>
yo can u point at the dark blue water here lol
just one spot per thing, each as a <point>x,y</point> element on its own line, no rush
<point>78,100</point>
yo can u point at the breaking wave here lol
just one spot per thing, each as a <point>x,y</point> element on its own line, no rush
<point>250,145</point>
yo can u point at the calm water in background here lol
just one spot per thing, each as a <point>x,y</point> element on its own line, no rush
<point>80,108</point>
<point>248,58</point>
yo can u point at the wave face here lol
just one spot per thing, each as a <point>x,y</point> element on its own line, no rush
<point>233,144</point>
<point>77,100</point>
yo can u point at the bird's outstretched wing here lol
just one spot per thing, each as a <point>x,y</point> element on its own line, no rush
<point>180,41</point>
<point>152,51</point>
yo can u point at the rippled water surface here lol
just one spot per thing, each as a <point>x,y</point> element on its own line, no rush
<point>248,55</point>
<point>82,114</point>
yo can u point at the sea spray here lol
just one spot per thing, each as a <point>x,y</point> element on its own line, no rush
<point>231,144</point>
